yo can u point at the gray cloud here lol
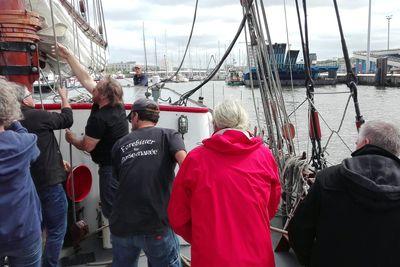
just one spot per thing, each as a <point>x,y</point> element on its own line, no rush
<point>325,43</point>
<point>119,55</point>
<point>129,13</point>
<point>202,3</point>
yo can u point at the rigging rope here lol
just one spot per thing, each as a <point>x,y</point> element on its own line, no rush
<point>276,118</point>
<point>317,156</point>
<point>55,42</point>
<point>251,76</point>
<point>184,97</point>
<point>351,77</point>
<point>339,128</point>
<point>290,70</point>
<point>284,119</point>
<point>187,45</point>
<point>294,182</point>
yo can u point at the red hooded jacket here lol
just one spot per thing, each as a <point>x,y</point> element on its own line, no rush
<point>223,198</point>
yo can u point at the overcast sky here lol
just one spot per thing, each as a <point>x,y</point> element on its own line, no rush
<point>169,21</point>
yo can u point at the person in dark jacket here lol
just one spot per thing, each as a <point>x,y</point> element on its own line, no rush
<point>48,171</point>
<point>140,78</point>
<point>351,215</point>
<point>20,214</point>
<point>106,124</point>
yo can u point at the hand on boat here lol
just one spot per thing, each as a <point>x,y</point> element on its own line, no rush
<point>63,51</point>
<point>69,136</point>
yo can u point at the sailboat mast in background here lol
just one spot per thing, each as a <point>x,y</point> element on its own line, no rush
<point>144,46</point>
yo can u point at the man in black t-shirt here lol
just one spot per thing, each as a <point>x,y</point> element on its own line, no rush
<point>106,124</point>
<point>144,163</point>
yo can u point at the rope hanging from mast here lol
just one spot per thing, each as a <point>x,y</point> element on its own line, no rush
<point>184,97</point>
<point>280,131</point>
<point>317,155</point>
<point>187,45</point>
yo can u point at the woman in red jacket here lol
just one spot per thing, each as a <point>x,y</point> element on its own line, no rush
<point>225,194</point>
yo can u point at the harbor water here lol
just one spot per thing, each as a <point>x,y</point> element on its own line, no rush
<point>376,103</point>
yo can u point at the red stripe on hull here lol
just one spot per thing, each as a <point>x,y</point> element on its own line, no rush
<point>86,106</point>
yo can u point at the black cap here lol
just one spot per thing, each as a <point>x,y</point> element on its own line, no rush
<point>144,104</point>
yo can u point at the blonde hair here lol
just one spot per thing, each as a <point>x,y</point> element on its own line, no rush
<point>231,114</point>
<point>10,109</point>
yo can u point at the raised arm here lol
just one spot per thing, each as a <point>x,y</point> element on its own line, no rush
<point>59,120</point>
<point>64,97</point>
<point>79,70</point>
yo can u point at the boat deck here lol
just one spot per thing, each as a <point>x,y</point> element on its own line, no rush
<point>91,249</point>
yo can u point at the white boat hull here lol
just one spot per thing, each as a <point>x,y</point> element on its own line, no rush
<point>200,125</point>
<point>89,53</point>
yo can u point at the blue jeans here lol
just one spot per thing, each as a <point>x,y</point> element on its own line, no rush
<point>108,189</point>
<point>28,256</point>
<point>54,211</point>
<point>162,250</point>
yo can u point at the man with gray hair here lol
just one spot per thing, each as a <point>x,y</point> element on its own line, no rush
<point>351,215</point>
<point>20,213</point>
<point>225,194</point>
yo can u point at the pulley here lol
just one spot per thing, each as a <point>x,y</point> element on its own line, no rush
<point>82,8</point>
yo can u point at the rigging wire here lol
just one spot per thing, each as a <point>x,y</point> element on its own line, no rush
<point>187,45</point>
<point>260,73</point>
<point>270,87</point>
<point>55,42</point>
<point>251,76</point>
<point>290,71</point>
<point>103,22</point>
<point>351,77</point>
<point>294,111</point>
<point>184,97</point>
<point>327,125</point>
<point>284,119</point>
<point>264,71</point>
<point>317,157</point>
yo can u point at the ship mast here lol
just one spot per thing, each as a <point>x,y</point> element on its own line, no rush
<point>144,47</point>
<point>19,56</point>
<point>369,39</point>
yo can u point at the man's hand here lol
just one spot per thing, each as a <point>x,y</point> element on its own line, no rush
<point>67,166</point>
<point>69,136</point>
<point>63,52</point>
